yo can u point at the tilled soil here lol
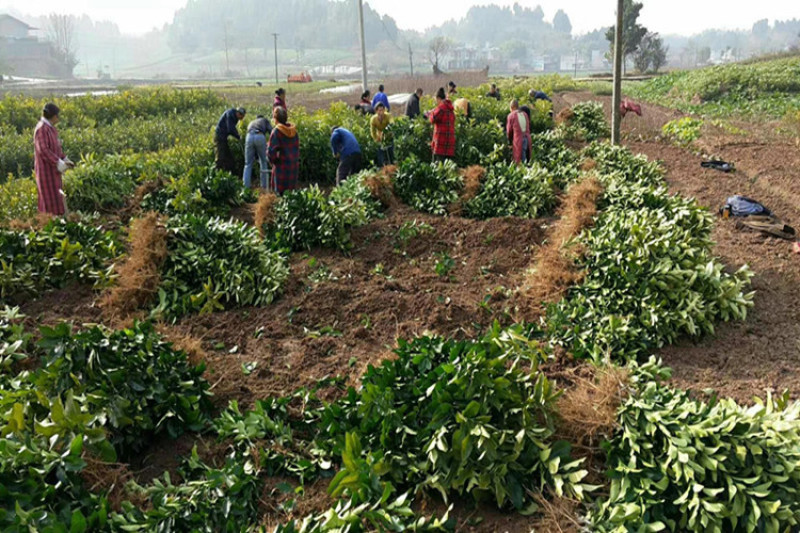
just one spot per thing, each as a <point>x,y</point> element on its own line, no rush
<point>341,312</point>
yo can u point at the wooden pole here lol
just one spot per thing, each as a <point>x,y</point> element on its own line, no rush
<point>617,94</point>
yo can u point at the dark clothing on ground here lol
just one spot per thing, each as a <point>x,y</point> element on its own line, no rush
<point>412,106</point>
<point>348,166</point>
<point>223,155</point>
<point>260,125</point>
<point>227,124</point>
<point>539,95</point>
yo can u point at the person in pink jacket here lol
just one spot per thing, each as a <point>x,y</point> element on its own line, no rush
<point>518,130</point>
<point>49,162</point>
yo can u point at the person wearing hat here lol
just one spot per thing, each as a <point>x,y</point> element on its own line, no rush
<point>49,162</point>
<point>226,127</point>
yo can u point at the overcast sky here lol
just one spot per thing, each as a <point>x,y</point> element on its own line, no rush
<point>664,16</point>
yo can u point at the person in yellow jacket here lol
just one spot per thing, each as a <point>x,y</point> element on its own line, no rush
<point>377,128</point>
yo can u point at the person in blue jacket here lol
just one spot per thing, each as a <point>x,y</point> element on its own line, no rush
<point>346,149</point>
<point>381,97</point>
<point>226,127</point>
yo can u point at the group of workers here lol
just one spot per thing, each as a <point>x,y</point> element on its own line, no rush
<point>277,148</point>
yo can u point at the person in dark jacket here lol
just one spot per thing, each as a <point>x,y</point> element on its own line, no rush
<point>283,152</point>
<point>451,89</point>
<point>381,97</point>
<point>345,148</point>
<point>412,106</point>
<point>534,95</point>
<point>255,145</point>
<point>494,92</point>
<point>226,127</point>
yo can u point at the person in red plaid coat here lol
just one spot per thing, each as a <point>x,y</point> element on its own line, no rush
<point>284,152</point>
<point>443,118</point>
<point>49,162</point>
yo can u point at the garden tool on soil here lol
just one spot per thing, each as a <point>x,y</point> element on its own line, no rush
<point>722,166</point>
<point>769,225</point>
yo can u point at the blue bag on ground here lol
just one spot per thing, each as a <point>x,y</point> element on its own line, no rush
<point>741,206</point>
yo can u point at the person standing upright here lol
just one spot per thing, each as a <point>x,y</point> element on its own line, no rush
<point>283,152</point>
<point>518,130</point>
<point>412,106</point>
<point>346,149</point>
<point>443,118</point>
<point>255,145</point>
<point>280,99</point>
<point>377,128</point>
<point>49,162</point>
<point>227,127</point>
<point>381,97</point>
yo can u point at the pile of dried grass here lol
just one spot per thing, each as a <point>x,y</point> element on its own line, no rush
<point>36,222</point>
<point>588,409</point>
<point>380,185</point>
<point>110,479</point>
<point>139,276</point>
<point>556,514</point>
<point>192,346</point>
<point>554,270</point>
<point>473,177</point>
<point>565,116</point>
<point>265,210</point>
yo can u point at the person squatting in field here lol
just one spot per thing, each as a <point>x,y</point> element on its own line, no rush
<point>283,152</point>
<point>255,145</point>
<point>345,148</point>
<point>377,128</point>
<point>365,104</point>
<point>49,162</point>
<point>227,127</point>
<point>518,130</point>
<point>443,118</point>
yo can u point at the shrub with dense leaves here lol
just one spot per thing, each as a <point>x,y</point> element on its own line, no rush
<point>683,131</point>
<point>143,385</point>
<point>305,218</point>
<point>199,190</point>
<point>62,251</point>
<point>585,122</point>
<point>549,150</point>
<point>650,272</point>
<point>213,264</point>
<point>428,187</point>
<point>513,190</point>
<point>96,390</point>
<point>681,464</point>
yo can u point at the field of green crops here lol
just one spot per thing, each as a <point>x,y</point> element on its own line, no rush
<point>468,422</point>
<point>764,89</point>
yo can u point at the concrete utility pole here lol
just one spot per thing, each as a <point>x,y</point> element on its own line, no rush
<point>617,97</point>
<point>411,59</point>
<point>363,45</point>
<point>275,36</point>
